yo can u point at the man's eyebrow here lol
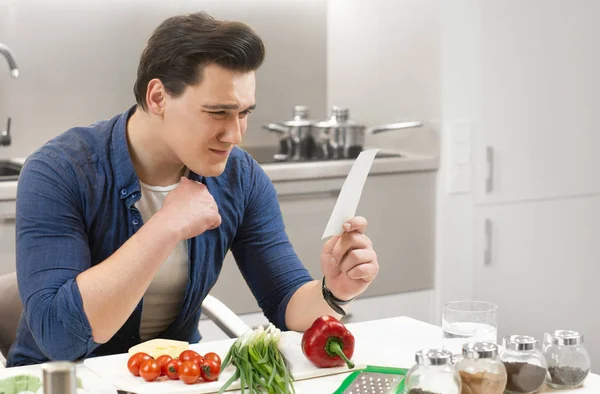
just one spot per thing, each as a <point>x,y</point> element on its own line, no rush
<point>226,106</point>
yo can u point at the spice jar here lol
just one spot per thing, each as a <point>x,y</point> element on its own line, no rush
<point>432,374</point>
<point>480,369</point>
<point>526,366</point>
<point>568,361</point>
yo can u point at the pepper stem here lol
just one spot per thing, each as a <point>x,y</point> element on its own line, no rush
<point>334,346</point>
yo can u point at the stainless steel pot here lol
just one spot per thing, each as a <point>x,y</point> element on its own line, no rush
<point>341,138</point>
<point>296,139</point>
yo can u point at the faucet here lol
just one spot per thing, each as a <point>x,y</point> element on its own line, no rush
<point>14,72</point>
<point>5,135</point>
<point>4,50</point>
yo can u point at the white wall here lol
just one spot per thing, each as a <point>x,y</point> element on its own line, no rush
<point>383,63</point>
<point>78,60</point>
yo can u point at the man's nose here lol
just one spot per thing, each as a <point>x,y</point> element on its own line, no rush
<point>233,132</point>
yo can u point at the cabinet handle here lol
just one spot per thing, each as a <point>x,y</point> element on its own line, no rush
<point>487,253</point>
<point>309,195</point>
<point>489,181</point>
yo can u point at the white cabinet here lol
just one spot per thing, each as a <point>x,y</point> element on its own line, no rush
<point>525,74</point>
<point>539,85</point>
<point>544,266</point>
<point>400,208</point>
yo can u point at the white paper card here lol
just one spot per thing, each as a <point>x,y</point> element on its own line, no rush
<point>347,202</point>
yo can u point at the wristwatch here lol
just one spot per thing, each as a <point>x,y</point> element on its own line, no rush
<point>333,301</point>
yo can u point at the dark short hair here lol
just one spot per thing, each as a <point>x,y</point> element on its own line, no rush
<point>183,45</point>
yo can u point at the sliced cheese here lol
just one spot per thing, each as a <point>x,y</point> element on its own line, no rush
<point>158,347</point>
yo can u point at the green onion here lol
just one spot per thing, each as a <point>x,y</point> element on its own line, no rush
<point>260,365</point>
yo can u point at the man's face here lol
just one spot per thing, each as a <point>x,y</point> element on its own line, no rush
<point>204,124</point>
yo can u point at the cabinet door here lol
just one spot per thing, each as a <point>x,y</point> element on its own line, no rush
<point>542,267</point>
<point>539,63</point>
<point>400,209</point>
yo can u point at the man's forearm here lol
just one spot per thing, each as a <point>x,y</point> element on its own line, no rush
<point>306,305</point>
<point>112,289</point>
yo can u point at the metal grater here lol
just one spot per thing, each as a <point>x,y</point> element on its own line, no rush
<point>374,383</point>
<point>374,380</point>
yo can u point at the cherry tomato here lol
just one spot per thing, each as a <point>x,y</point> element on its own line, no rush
<point>173,369</point>
<point>150,370</point>
<point>163,361</point>
<point>209,370</point>
<point>214,357</point>
<point>187,355</point>
<point>134,362</point>
<point>199,360</point>
<point>189,372</point>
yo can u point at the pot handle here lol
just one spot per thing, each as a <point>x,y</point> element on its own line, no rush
<point>276,128</point>
<point>393,126</point>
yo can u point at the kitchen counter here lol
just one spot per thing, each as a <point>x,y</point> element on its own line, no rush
<point>290,171</point>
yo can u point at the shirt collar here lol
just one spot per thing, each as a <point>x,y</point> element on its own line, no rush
<point>127,180</point>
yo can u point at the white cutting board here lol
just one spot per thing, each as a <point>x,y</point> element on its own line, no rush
<point>114,369</point>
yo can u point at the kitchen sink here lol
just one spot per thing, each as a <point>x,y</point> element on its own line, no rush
<point>9,171</point>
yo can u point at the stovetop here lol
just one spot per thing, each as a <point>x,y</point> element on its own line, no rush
<point>266,155</point>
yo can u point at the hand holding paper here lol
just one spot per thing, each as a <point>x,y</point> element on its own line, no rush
<point>348,260</point>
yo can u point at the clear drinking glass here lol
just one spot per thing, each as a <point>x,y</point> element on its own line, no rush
<point>468,321</point>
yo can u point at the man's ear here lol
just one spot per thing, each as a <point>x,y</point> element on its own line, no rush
<point>156,96</point>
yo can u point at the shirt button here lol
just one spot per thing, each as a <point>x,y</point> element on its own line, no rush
<point>135,222</point>
<point>123,191</point>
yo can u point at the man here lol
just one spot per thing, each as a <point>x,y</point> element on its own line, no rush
<point>95,281</point>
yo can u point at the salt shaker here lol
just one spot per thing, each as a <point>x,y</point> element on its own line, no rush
<point>480,369</point>
<point>526,367</point>
<point>433,374</point>
<point>59,378</point>
<point>568,360</point>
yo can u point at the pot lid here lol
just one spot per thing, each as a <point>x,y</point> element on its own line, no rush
<point>340,117</point>
<point>300,117</point>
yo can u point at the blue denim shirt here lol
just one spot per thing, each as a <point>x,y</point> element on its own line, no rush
<point>75,208</point>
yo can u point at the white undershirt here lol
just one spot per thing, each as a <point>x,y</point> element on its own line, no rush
<point>164,296</point>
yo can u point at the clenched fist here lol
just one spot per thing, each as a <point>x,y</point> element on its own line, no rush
<point>190,209</point>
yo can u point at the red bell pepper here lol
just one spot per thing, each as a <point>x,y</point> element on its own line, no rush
<point>328,343</point>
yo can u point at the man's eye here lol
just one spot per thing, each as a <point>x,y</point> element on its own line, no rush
<point>218,113</point>
<point>243,114</point>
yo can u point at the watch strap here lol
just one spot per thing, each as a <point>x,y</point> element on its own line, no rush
<point>332,300</point>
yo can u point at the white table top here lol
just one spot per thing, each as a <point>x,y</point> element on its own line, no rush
<point>388,342</point>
